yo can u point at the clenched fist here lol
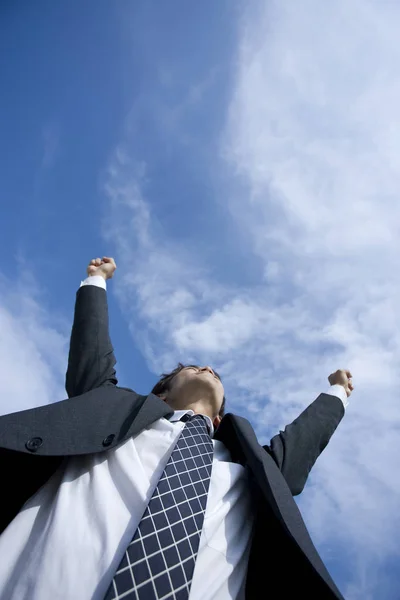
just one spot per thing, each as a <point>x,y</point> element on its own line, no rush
<point>105,267</point>
<point>342,377</point>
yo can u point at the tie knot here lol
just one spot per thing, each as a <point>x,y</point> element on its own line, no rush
<point>188,417</point>
<point>196,419</point>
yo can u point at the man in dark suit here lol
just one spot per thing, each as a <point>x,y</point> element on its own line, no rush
<point>111,494</point>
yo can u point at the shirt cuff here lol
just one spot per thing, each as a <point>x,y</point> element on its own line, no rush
<point>95,280</point>
<point>339,391</point>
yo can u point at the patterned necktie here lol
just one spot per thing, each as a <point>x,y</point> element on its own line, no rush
<point>159,562</point>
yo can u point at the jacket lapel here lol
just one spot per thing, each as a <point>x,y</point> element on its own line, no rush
<point>93,422</point>
<point>151,410</point>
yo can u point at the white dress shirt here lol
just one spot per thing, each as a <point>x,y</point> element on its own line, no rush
<point>69,538</point>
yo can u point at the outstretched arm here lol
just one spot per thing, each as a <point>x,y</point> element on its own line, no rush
<point>91,357</point>
<point>296,449</point>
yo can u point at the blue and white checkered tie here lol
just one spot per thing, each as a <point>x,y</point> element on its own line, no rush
<point>159,562</point>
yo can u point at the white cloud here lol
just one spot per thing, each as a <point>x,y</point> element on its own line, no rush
<point>312,131</point>
<point>312,141</point>
<point>33,347</point>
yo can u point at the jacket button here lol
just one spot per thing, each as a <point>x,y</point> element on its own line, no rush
<point>108,440</point>
<point>34,444</point>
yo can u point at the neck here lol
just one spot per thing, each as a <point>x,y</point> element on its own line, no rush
<point>199,406</point>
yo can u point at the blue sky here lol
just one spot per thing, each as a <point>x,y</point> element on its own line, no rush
<point>240,161</point>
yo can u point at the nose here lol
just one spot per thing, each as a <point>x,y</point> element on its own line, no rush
<point>207,368</point>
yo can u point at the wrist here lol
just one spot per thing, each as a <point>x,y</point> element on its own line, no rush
<point>103,275</point>
<point>345,387</point>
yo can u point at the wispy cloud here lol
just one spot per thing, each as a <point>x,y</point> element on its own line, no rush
<point>311,131</point>
<point>312,146</point>
<point>33,346</point>
<point>51,145</point>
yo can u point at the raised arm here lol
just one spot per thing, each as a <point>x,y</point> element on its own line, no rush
<point>91,357</point>
<point>296,449</point>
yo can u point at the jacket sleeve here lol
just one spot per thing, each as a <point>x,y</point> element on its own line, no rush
<point>296,449</point>
<point>91,357</point>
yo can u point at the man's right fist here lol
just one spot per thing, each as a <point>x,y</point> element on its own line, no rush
<point>342,377</point>
<point>104,267</point>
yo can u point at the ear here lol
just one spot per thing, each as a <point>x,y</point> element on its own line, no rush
<point>217,421</point>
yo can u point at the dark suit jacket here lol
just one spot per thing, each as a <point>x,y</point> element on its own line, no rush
<point>99,415</point>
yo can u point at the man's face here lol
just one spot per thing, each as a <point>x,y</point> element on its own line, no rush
<point>193,384</point>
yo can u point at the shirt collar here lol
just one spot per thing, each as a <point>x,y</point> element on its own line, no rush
<point>178,414</point>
